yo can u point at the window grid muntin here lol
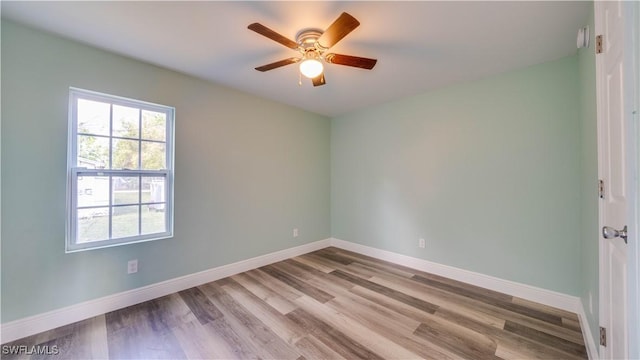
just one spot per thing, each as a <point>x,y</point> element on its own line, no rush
<point>110,148</point>
<point>166,173</point>
<point>120,137</point>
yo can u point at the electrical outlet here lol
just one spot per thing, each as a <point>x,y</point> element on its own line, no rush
<point>295,232</point>
<point>421,243</point>
<point>132,266</point>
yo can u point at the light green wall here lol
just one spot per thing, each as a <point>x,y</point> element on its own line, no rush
<point>589,234</point>
<point>248,170</point>
<point>488,172</point>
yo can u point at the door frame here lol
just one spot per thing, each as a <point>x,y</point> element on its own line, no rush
<point>632,58</point>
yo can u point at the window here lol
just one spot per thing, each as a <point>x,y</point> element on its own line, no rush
<point>120,169</point>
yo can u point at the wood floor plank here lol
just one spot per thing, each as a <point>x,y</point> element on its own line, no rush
<point>571,324</point>
<point>396,327</point>
<point>547,339</point>
<point>562,332</point>
<point>283,327</point>
<point>508,352</point>
<point>267,295</point>
<point>333,338</point>
<point>143,343</point>
<point>407,287</point>
<point>312,348</point>
<point>334,256</point>
<point>287,267</point>
<point>328,304</point>
<point>381,265</point>
<point>568,318</point>
<point>96,337</point>
<point>85,339</point>
<point>462,285</point>
<point>317,258</point>
<point>40,338</point>
<point>361,333</point>
<point>392,304</point>
<point>509,342</point>
<point>468,291</point>
<point>320,266</point>
<point>330,284</point>
<point>274,285</point>
<point>170,311</point>
<point>197,344</point>
<point>200,306</point>
<point>372,315</point>
<point>361,270</point>
<point>489,311</point>
<point>66,348</point>
<point>297,284</point>
<point>330,287</point>
<point>319,274</point>
<point>88,340</point>
<point>402,297</point>
<point>248,326</point>
<point>228,344</point>
<point>479,310</point>
<point>458,339</point>
<point>354,268</point>
<point>492,299</point>
<point>140,332</point>
<point>545,308</point>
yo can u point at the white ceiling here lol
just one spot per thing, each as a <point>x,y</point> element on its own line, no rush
<point>420,46</point>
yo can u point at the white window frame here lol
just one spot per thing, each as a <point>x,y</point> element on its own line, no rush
<point>74,172</point>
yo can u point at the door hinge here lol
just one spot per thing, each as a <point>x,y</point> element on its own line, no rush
<point>599,43</point>
<point>601,189</point>
<point>603,336</point>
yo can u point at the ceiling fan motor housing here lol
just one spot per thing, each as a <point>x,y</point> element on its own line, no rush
<point>308,38</point>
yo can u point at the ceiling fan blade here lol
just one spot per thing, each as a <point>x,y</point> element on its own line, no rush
<point>343,25</point>
<point>318,80</point>
<point>265,31</point>
<point>278,64</point>
<point>348,60</point>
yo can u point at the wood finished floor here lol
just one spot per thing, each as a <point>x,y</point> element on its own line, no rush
<point>329,304</point>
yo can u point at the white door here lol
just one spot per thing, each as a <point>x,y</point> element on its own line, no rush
<point>612,168</point>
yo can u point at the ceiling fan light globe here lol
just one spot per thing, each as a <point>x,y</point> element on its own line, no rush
<point>311,68</point>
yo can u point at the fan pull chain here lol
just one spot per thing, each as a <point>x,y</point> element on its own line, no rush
<point>299,78</point>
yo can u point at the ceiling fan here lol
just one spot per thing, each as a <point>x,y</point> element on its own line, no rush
<point>312,45</point>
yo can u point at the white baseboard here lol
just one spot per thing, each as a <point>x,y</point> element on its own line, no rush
<point>589,340</point>
<point>50,320</point>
